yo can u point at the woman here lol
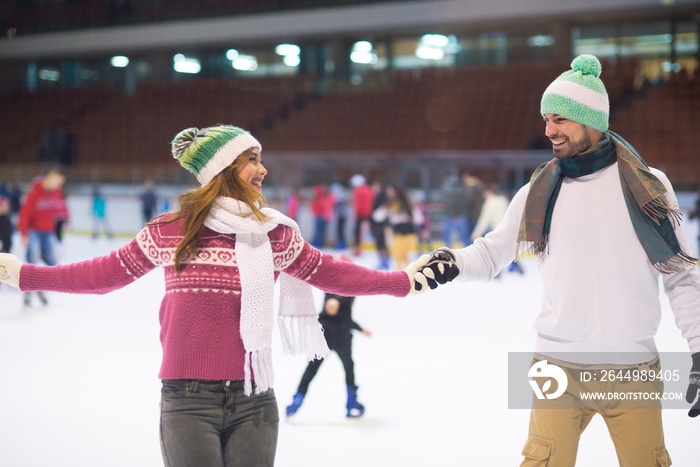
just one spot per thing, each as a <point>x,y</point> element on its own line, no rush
<point>221,254</point>
<point>403,218</point>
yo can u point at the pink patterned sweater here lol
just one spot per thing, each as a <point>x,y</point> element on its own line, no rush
<point>200,312</point>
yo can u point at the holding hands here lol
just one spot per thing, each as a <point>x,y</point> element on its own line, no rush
<point>430,270</point>
<point>9,269</point>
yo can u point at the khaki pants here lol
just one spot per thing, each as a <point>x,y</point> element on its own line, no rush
<point>401,246</point>
<point>635,427</point>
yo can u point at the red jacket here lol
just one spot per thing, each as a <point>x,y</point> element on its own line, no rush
<point>363,201</point>
<point>41,208</point>
<point>322,203</point>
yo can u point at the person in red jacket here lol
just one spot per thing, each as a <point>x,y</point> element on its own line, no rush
<point>43,204</point>
<point>322,209</point>
<point>363,205</point>
<point>293,204</point>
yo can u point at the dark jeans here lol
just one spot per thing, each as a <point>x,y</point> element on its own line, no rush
<point>358,230</point>
<point>340,231</point>
<point>213,424</point>
<point>343,347</point>
<point>377,229</point>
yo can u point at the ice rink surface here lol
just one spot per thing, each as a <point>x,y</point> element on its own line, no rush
<point>80,387</point>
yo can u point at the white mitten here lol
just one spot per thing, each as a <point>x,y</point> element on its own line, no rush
<point>412,270</point>
<point>9,269</point>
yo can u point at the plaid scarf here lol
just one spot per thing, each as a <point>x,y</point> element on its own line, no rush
<point>645,195</point>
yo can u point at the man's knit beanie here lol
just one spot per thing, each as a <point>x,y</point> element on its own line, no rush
<point>579,94</point>
<point>208,151</point>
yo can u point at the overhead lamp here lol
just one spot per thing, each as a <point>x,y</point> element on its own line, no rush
<point>291,60</point>
<point>287,49</point>
<point>245,63</point>
<point>362,46</point>
<point>362,53</point>
<point>436,46</point>
<point>365,58</point>
<point>48,74</point>
<point>429,53</point>
<point>540,40</point>
<point>183,64</point>
<point>435,40</point>
<point>119,61</point>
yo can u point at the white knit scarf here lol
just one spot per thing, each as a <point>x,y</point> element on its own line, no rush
<point>300,330</point>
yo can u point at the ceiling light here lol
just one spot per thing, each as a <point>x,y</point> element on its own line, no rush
<point>436,40</point>
<point>245,63</point>
<point>287,49</point>
<point>182,64</point>
<point>429,53</point>
<point>119,61</point>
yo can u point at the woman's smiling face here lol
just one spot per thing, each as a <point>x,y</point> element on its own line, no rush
<point>253,171</point>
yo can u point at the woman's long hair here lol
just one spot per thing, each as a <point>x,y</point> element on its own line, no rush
<point>404,204</point>
<point>195,206</point>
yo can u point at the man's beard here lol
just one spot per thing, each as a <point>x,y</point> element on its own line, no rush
<point>572,148</point>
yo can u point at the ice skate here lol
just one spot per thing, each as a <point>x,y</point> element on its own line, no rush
<point>515,267</point>
<point>354,408</point>
<point>296,403</point>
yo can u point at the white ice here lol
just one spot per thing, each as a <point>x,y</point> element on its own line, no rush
<point>79,380</point>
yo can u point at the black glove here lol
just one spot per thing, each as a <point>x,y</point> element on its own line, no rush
<point>693,386</point>
<point>440,269</point>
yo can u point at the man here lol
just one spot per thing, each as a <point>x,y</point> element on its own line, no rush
<point>148,201</point>
<point>474,189</point>
<point>604,227</point>
<point>454,194</point>
<point>37,219</point>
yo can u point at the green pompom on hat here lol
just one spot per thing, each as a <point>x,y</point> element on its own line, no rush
<point>208,151</point>
<point>579,94</point>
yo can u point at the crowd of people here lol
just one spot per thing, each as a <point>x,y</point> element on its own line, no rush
<point>39,217</point>
<point>395,222</point>
<point>386,217</point>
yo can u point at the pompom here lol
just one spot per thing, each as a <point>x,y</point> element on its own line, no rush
<point>587,64</point>
<point>182,141</point>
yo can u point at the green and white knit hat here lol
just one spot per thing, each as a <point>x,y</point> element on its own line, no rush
<point>579,94</point>
<point>208,151</point>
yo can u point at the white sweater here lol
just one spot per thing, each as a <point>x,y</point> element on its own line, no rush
<point>601,292</point>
